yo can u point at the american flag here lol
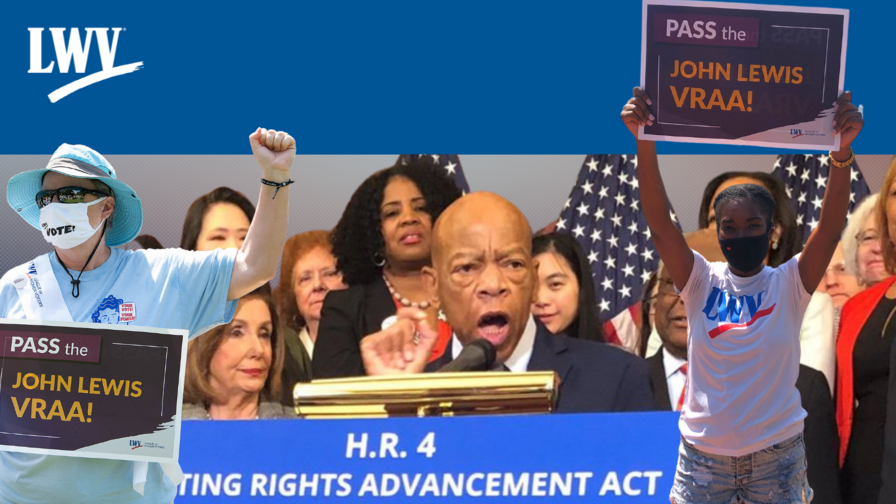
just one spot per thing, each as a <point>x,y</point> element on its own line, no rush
<point>805,177</point>
<point>449,162</point>
<point>604,214</point>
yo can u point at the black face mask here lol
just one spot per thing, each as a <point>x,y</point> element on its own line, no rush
<point>746,253</point>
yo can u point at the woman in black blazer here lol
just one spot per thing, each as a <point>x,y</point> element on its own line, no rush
<point>381,244</point>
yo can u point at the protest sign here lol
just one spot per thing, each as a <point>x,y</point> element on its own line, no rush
<point>84,390</point>
<point>744,74</point>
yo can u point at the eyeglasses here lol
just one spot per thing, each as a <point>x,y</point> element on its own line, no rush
<point>837,269</point>
<point>65,194</point>
<point>866,238</point>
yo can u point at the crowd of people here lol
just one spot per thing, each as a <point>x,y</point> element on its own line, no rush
<point>414,271</point>
<point>406,257</point>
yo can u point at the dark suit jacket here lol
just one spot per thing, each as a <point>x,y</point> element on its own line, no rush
<point>658,383</point>
<point>346,317</point>
<point>594,377</point>
<point>819,432</point>
<point>294,370</point>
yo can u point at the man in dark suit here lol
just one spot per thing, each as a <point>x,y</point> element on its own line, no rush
<point>485,277</point>
<point>820,425</point>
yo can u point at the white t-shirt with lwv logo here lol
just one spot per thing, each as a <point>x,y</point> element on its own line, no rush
<point>743,357</point>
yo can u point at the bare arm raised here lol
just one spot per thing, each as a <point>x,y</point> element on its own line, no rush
<point>669,242</point>
<point>821,245</point>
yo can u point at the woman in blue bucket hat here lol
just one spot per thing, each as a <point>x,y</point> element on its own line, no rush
<point>81,207</point>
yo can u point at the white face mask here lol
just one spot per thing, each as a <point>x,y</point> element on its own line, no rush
<point>66,225</point>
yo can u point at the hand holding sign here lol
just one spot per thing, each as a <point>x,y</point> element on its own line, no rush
<point>636,111</point>
<point>848,121</point>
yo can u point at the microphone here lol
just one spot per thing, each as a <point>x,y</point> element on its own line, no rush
<point>477,356</point>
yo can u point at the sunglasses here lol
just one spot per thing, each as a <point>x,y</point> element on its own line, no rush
<point>65,194</point>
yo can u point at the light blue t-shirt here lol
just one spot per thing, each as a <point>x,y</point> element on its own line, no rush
<point>171,289</point>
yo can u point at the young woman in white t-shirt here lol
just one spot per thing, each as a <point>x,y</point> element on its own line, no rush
<point>741,422</point>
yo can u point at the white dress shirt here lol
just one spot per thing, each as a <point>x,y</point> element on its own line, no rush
<point>818,337</point>
<point>305,338</point>
<point>675,379</point>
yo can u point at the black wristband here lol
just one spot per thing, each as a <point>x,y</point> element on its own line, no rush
<point>277,185</point>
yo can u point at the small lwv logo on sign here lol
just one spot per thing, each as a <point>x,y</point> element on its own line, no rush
<point>136,444</point>
<point>78,52</point>
<point>796,132</point>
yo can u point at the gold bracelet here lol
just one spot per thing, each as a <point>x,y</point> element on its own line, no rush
<point>844,164</point>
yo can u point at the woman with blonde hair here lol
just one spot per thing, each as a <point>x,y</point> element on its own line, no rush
<point>233,371</point>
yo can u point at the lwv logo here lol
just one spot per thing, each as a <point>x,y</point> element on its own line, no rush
<point>75,50</point>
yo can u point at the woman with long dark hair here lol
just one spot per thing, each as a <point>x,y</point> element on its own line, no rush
<point>566,301</point>
<point>381,244</point>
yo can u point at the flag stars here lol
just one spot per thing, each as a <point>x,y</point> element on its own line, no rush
<point>587,187</point>
<point>610,262</point>
<point>645,276</point>
<point>592,165</point>
<point>599,214</point>
<point>791,169</point>
<point>607,284</point>
<point>778,162</point>
<point>620,199</point>
<point>788,191</point>
<point>820,181</point>
<point>561,224</point>
<point>635,161</point>
<point>595,235</point>
<point>592,257</point>
<point>623,179</point>
<point>647,254</point>
<point>813,223</point>
<point>852,197</point>
<point>816,202</point>
<point>632,249</point>
<point>629,270</point>
<point>568,202</point>
<point>435,158</point>
<point>583,209</point>
<point>825,160</point>
<point>805,175</point>
<point>613,241</point>
<point>853,175</point>
<point>450,167</point>
<point>608,170</point>
<point>617,220</point>
<point>626,291</point>
<point>799,219</point>
<point>802,198</point>
<point>633,227</point>
<point>604,192</point>
<point>634,205</point>
<point>579,231</point>
<point>604,305</point>
<point>808,156</point>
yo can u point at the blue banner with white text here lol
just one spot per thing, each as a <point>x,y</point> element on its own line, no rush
<point>618,457</point>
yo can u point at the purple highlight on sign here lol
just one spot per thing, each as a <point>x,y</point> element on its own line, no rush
<point>699,29</point>
<point>51,346</point>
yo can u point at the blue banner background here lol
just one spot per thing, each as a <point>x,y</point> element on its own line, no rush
<point>366,77</point>
<point>595,443</point>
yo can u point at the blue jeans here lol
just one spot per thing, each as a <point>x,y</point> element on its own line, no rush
<point>774,475</point>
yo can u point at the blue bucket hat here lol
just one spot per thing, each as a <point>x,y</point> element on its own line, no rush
<point>81,162</point>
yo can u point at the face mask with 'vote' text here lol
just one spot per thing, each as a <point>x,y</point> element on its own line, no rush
<point>66,225</point>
